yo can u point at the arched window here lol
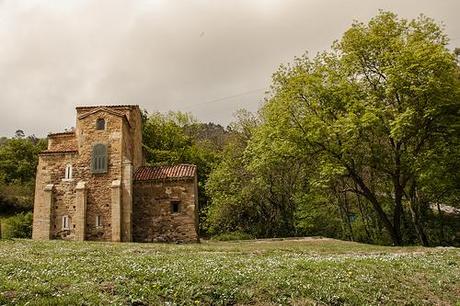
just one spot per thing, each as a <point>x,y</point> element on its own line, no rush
<point>99,158</point>
<point>68,172</point>
<point>100,124</point>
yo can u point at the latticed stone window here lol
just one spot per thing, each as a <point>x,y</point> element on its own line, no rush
<point>100,124</point>
<point>99,159</point>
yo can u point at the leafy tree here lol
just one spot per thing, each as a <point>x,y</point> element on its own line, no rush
<point>178,137</point>
<point>369,111</point>
<point>234,206</point>
<point>18,163</point>
<point>19,158</point>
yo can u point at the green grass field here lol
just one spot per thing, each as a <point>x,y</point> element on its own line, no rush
<point>298,272</point>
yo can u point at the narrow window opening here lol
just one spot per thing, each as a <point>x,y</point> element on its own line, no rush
<point>98,221</point>
<point>175,207</point>
<point>68,172</point>
<point>65,222</point>
<point>100,124</point>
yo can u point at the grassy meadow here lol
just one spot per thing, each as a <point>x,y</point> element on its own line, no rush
<point>286,272</point>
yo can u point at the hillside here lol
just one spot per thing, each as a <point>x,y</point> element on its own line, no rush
<point>298,272</point>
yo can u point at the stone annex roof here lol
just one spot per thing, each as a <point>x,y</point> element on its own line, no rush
<point>147,173</point>
<point>70,133</point>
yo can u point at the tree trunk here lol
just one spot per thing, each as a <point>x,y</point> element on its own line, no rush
<point>347,214</point>
<point>365,220</point>
<point>414,209</point>
<point>398,188</point>
<point>441,224</point>
<point>398,209</point>
<point>370,196</point>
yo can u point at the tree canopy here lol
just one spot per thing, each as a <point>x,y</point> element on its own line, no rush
<point>375,118</point>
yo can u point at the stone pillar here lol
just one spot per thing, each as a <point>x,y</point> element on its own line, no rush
<point>116,210</point>
<point>127,201</point>
<point>42,215</point>
<point>80,214</point>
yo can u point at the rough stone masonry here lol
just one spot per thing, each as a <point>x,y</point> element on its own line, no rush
<point>92,184</point>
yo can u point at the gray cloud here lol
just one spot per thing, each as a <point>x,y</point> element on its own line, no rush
<point>165,55</point>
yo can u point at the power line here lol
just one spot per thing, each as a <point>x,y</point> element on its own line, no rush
<point>229,97</point>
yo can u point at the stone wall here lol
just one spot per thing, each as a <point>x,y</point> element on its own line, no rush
<point>64,142</point>
<point>99,191</point>
<point>153,219</point>
<point>128,209</point>
<point>50,171</point>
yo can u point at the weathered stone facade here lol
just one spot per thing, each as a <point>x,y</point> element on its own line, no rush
<point>155,216</point>
<point>83,195</point>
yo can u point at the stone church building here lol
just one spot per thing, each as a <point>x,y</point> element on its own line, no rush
<point>92,184</point>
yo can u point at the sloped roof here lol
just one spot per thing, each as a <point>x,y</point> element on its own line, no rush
<point>69,133</point>
<point>108,106</point>
<point>165,172</point>
<point>102,108</point>
<point>110,110</point>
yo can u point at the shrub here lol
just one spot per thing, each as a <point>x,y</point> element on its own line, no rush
<point>237,235</point>
<point>17,226</point>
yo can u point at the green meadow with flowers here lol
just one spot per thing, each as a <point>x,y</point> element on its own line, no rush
<point>257,272</point>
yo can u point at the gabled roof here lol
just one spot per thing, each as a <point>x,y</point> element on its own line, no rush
<point>165,172</point>
<point>108,106</point>
<point>104,109</point>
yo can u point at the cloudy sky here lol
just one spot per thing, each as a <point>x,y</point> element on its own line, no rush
<point>206,57</point>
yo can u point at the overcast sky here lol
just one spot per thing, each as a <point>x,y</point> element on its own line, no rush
<point>206,57</point>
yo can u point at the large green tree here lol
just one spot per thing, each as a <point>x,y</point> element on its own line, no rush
<point>370,111</point>
<point>18,163</point>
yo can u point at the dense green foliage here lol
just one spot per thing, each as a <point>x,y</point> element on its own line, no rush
<point>306,272</point>
<point>18,163</point>
<point>177,137</point>
<point>356,143</point>
<point>17,226</point>
<point>361,142</point>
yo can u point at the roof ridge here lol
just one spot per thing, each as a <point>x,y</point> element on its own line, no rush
<point>61,133</point>
<point>111,106</point>
<point>177,171</point>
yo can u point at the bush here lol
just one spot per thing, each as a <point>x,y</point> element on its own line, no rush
<point>17,226</point>
<point>232,236</point>
<point>16,197</point>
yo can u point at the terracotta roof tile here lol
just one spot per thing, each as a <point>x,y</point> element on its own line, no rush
<point>165,172</point>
